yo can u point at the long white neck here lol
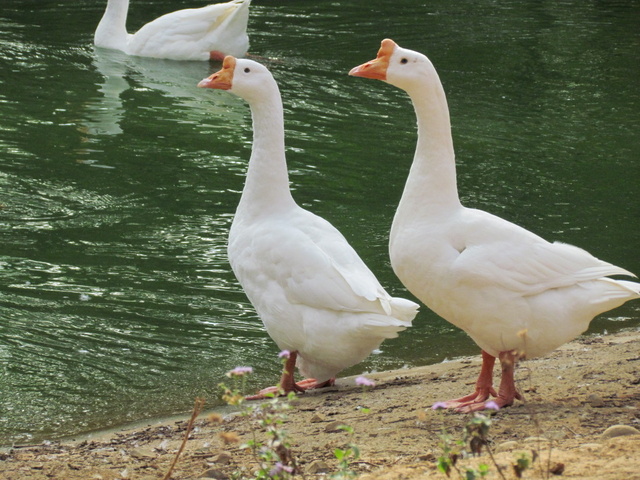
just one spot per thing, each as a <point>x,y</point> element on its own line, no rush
<point>267,184</point>
<point>431,189</point>
<point>112,29</point>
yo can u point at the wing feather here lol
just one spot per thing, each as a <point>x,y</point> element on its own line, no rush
<point>192,31</point>
<point>520,261</point>
<point>313,264</point>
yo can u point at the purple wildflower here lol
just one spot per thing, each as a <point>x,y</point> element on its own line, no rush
<point>278,468</point>
<point>239,371</point>
<point>284,354</point>
<point>491,405</point>
<point>365,382</point>
<point>439,406</point>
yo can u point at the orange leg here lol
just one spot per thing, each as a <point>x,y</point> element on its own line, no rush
<point>484,386</point>
<point>507,393</point>
<point>287,382</point>
<point>312,383</point>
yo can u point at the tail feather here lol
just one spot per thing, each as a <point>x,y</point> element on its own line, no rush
<point>632,288</point>
<point>617,293</point>
<point>404,309</point>
<point>383,326</point>
<point>600,271</point>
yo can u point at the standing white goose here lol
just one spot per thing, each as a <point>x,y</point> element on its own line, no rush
<point>316,297</point>
<point>205,33</point>
<point>514,293</point>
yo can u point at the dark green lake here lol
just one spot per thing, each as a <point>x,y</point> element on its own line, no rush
<point>119,179</point>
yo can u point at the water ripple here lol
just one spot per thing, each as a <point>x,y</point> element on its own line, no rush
<point>119,179</point>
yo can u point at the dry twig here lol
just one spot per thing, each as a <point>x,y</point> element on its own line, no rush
<point>197,408</point>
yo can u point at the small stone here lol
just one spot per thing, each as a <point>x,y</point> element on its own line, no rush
<point>333,427</point>
<point>215,474</point>
<point>536,440</point>
<point>556,435</point>
<point>557,469</point>
<point>316,419</point>
<point>427,457</point>
<point>318,466</point>
<point>595,400</point>
<point>619,431</point>
<point>142,452</point>
<point>223,458</point>
<point>507,446</point>
<point>590,446</point>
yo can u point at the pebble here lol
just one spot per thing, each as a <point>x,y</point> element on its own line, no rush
<point>590,446</point>
<point>595,400</point>
<point>223,458</point>
<point>507,446</point>
<point>215,474</point>
<point>333,427</point>
<point>557,469</point>
<point>316,419</point>
<point>427,457</point>
<point>541,440</point>
<point>318,466</point>
<point>619,431</point>
<point>142,453</point>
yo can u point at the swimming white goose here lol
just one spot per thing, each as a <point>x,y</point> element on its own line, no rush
<point>205,33</point>
<point>514,293</point>
<point>315,296</point>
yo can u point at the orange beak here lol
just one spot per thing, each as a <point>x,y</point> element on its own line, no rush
<point>222,79</point>
<point>376,69</point>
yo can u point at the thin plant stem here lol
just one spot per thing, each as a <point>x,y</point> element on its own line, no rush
<point>495,463</point>
<point>197,408</point>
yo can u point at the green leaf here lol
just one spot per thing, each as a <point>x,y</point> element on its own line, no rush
<point>470,474</point>
<point>356,451</point>
<point>444,465</point>
<point>346,428</point>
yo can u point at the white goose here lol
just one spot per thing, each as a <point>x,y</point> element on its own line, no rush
<point>205,33</point>
<point>315,296</point>
<point>514,293</point>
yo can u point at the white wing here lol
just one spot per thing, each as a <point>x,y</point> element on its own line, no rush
<point>191,33</point>
<point>312,263</point>
<point>505,255</point>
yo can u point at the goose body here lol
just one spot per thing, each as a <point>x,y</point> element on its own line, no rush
<point>315,296</point>
<point>205,33</point>
<point>516,294</point>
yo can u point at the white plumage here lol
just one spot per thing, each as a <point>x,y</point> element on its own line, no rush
<point>191,34</point>
<point>314,294</point>
<point>516,294</point>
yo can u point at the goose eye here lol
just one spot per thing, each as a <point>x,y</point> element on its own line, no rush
<point>247,70</point>
<point>404,60</point>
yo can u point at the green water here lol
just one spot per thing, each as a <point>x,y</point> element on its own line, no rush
<point>119,179</point>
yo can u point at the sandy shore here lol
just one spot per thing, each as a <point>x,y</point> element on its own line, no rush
<point>573,396</point>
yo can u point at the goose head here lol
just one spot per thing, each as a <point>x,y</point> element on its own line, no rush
<point>403,68</point>
<point>245,78</point>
